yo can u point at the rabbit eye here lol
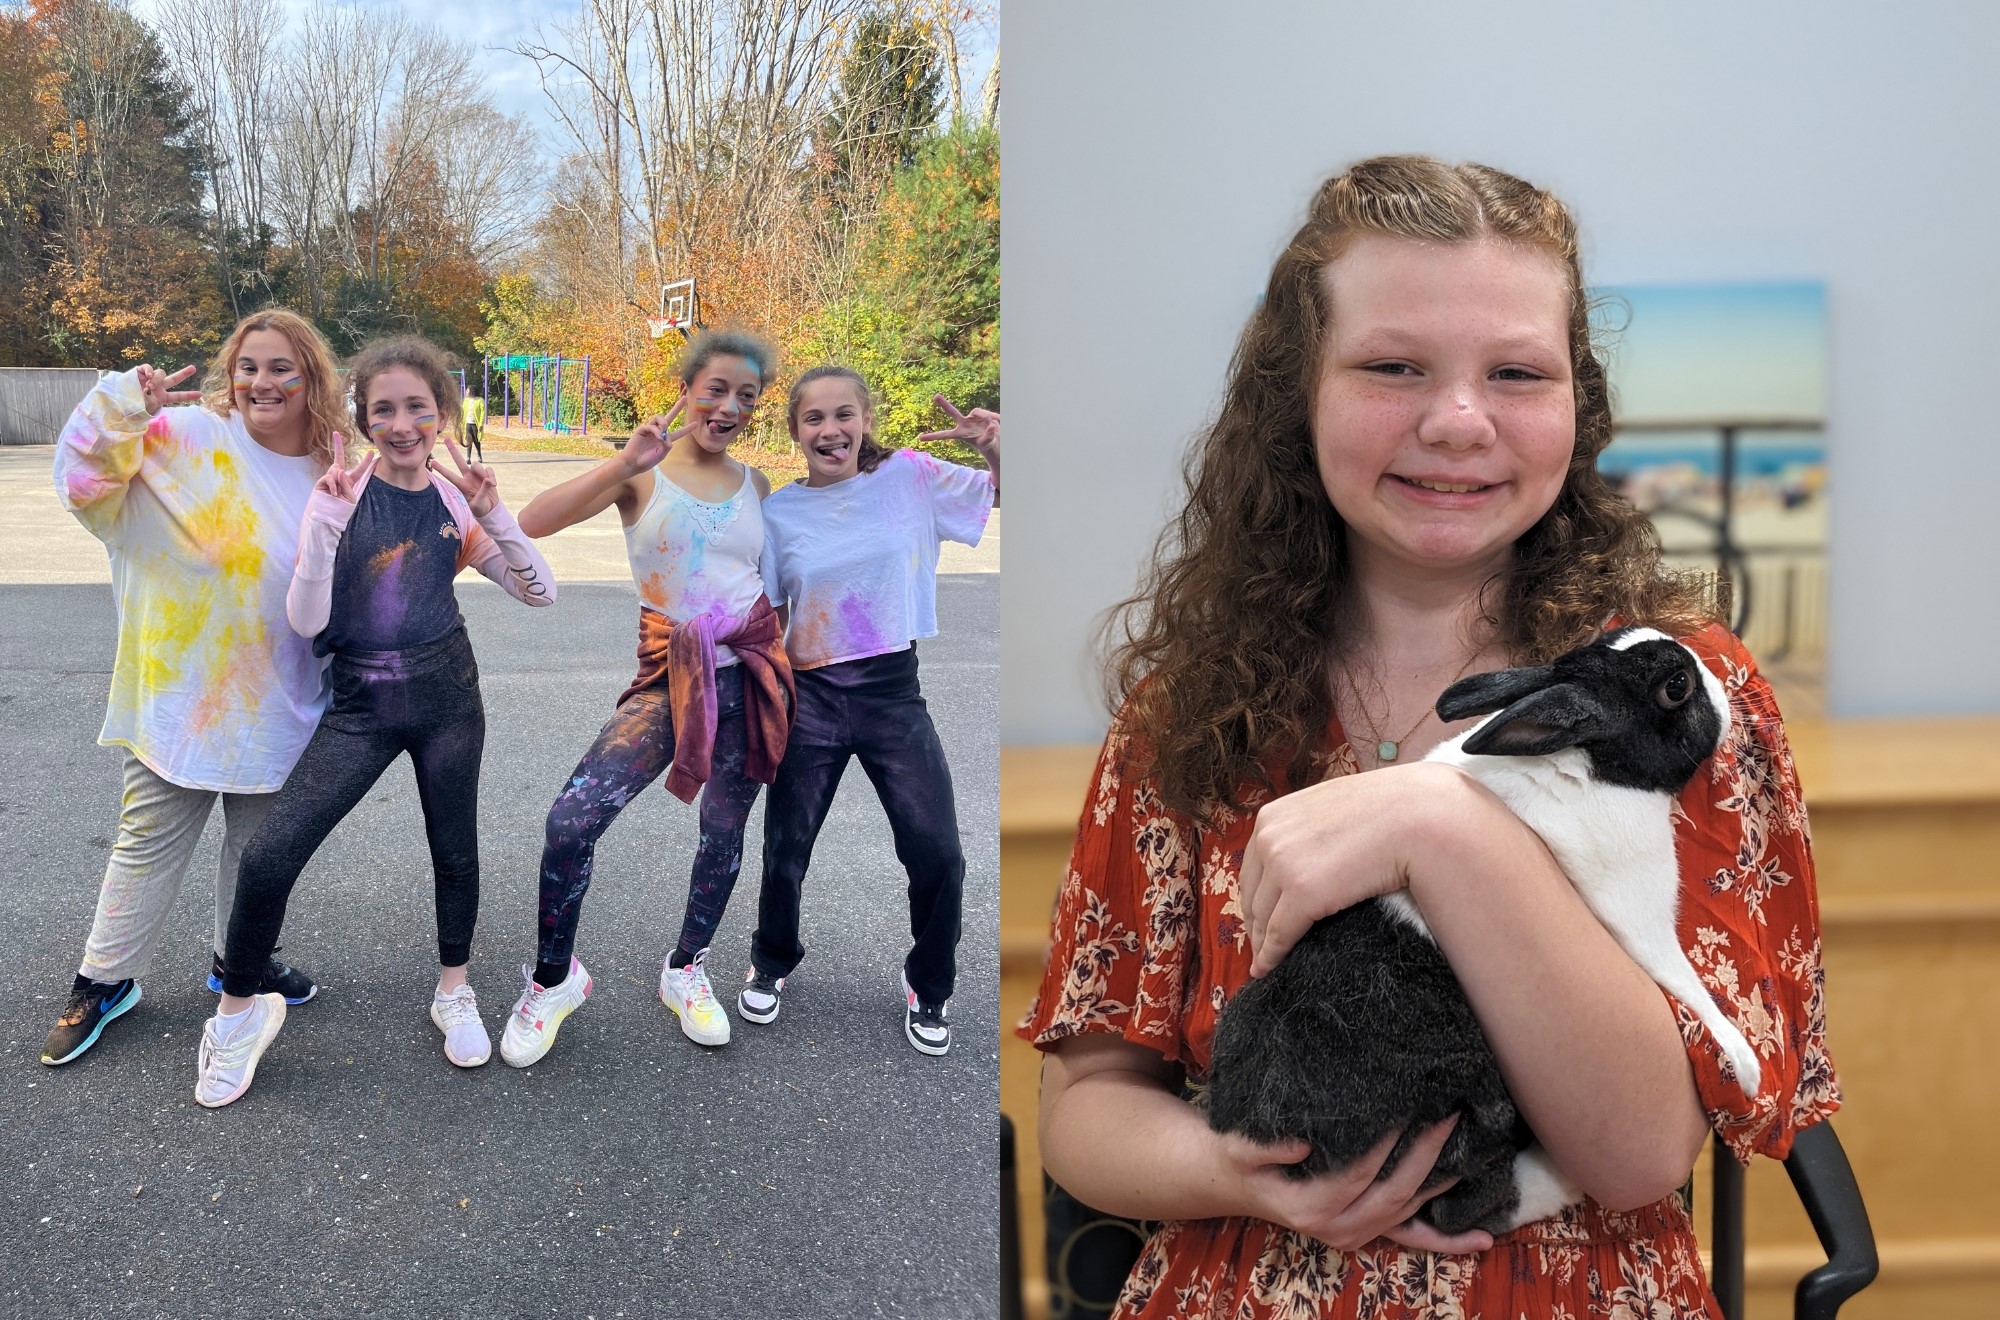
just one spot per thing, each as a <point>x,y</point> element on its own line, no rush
<point>1675,691</point>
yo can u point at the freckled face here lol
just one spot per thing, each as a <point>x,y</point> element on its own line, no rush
<point>830,421</point>
<point>402,419</point>
<point>268,383</point>
<point>724,394</point>
<point>1444,415</point>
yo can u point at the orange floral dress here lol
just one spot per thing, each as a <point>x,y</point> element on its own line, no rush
<point>1149,943</point>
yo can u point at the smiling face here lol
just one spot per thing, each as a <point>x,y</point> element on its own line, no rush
<point>724,394</point>
<point>268,383</point>
<point>828,424</point>
<point>1444,415</point>
<point>402,420</point>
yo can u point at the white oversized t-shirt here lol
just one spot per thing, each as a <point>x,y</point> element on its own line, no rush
<point>857,561</point>
<point>211,687</point>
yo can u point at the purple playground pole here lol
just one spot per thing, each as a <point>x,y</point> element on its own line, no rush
<point>585,429</point>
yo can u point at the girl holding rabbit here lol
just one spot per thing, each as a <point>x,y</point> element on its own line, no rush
<point>197,496</point>
<point>711,704</point>
<point>851,554</point>
<point>379,549</point>
<point>1401,490</point>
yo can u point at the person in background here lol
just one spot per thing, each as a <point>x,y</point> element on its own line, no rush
<point>473,410</point>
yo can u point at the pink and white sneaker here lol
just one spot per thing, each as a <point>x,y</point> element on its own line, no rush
<point>531,1028</point>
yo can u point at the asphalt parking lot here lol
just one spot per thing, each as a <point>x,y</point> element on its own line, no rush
<point>815,1167</point>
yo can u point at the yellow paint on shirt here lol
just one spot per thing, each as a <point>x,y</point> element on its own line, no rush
<point>203,635</point>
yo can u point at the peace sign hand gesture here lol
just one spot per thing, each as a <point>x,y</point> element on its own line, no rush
<point>337,480</point>
<point>656,435</point>
<point>475,481</point>
<point>158,388</point>
<point>979,428</point>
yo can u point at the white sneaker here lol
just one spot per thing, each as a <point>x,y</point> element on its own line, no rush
<point>457,1016</point>
<point>227,1063</point>
<point>531,1029</point>
<point>686,991</point>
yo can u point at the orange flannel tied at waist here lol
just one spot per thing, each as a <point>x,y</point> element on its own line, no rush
<point>684,656</point>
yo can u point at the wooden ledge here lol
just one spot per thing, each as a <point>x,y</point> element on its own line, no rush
<point>1843,764</point>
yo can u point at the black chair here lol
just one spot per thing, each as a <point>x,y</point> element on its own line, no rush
<point>1010,1227</point>
<point>1825,1184</point>
<point>1090,1253</point>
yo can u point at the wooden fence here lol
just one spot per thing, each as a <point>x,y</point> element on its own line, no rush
<point>36,401</point>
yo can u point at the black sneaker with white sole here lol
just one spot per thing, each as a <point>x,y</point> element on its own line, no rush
<point>290,982</point>
<point>927,1025</point>
<point>759,1000</point>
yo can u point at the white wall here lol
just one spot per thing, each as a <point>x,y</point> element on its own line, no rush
<point>1158,154</point>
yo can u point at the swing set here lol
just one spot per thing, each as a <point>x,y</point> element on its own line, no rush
<point>548,392</point>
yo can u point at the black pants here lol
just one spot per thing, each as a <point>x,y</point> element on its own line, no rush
<point>424,701</point>
<point>472,430</point>
<point>871,709</point>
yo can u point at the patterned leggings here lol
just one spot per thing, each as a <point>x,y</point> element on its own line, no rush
<point>635,748</point>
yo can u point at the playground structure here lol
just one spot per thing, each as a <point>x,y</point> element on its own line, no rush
<point>548,392</point>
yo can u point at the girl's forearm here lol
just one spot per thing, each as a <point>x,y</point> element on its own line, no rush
<point>1587,1043</point>
<point>511,559</point>
<point>1121,1143</point>
<point>577,499</point>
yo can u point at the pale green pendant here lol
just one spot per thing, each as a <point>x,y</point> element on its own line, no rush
<point>1385,750</point>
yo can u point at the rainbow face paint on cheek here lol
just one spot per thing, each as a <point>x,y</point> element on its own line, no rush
<point>427,425</point>
<point>292,386</point>
<point>378,431</point>
<point>243,383</point>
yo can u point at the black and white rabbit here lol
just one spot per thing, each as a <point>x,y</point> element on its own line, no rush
<point>1363,1029</point>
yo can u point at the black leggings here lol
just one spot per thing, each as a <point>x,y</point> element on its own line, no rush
<point>424,701</point>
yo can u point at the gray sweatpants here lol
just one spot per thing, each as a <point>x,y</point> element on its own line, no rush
<point>159,826</point>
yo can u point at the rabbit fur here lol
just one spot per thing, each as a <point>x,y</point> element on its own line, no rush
<point>1363,1029</point>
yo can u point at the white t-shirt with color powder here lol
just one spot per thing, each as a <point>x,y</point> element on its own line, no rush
<point>211,688</point>
<point>857,560</point>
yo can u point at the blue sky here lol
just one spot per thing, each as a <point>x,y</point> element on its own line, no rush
<point>1719,350</point>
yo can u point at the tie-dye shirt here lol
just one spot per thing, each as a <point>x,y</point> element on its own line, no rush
<point>692,557</point>
<point>211,688</point>
<point>857,560</point>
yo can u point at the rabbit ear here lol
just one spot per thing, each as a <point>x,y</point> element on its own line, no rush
<point>1542,722</point>
<point>1482,694</point>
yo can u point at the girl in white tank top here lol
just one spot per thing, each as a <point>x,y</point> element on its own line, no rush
<point>712,701</point>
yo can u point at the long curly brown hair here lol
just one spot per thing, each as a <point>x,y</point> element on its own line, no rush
<point>1223,656</point>
<point>325,409</point>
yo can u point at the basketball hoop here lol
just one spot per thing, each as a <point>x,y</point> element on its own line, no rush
<point>659,325</point>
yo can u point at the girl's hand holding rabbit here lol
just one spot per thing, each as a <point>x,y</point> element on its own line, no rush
<point>1348,1208</point>
<point>1328,847</point>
